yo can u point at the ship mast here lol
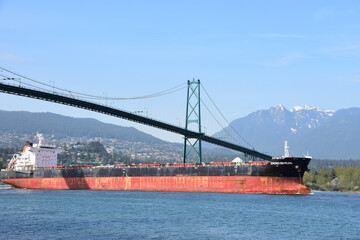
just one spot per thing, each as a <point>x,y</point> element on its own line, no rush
<point>286,149</point>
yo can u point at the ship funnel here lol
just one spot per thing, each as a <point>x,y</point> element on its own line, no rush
<point>286,149</point>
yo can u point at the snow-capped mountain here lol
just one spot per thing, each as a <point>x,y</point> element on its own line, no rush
<point>322,133</point>
<point>309,117</point>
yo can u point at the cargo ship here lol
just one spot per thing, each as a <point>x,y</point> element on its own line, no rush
<point>36,168</point>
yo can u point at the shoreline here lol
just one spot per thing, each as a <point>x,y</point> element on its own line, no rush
<point>335,191</point>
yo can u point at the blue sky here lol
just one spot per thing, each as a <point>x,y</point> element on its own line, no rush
<point>249,55</point>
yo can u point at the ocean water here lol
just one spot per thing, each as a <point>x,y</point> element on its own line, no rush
<point>72,214</point>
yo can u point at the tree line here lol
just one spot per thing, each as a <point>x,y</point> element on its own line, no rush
<point>327,164</point>
<point>342,179</point>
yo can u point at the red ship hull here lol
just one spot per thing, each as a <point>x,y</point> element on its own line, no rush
<point>224,184</point>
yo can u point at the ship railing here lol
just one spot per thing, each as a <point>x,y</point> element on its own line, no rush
<point>223,163</point>
<point>258,162</point>
<point>120,165</point>
<point>158,165</point>
<point>66,167</point>
<point>54,167</point>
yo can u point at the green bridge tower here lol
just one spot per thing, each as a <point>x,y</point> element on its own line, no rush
<point>193,116</point>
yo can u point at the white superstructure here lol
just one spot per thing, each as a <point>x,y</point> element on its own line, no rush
<point>35,156</point>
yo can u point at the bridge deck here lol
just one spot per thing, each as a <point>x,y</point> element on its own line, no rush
<point>56,98</point>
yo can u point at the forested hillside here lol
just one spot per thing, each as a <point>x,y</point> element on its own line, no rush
<point>20,123</point>
<point>342,179</point>
<point>326,164</point>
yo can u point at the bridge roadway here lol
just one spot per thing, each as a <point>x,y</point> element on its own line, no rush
<point>56,98</point>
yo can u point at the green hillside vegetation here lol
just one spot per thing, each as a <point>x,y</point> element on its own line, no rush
<point>342,179</point>
<point>6,154</point>
<point>325,164</point>
<point>93,153</point>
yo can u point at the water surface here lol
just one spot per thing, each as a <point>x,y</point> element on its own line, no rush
<point>83,214</point>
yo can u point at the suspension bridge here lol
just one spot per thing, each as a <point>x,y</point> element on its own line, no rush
<point>74,99</point>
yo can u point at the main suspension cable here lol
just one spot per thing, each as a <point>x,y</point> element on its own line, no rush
<point>224,129</point>
<point>88,96</point>
<point>225,118</point>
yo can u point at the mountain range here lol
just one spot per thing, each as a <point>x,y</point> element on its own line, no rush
<point>308,130</point>
<point>323,134</point>
<point>20,123</point>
